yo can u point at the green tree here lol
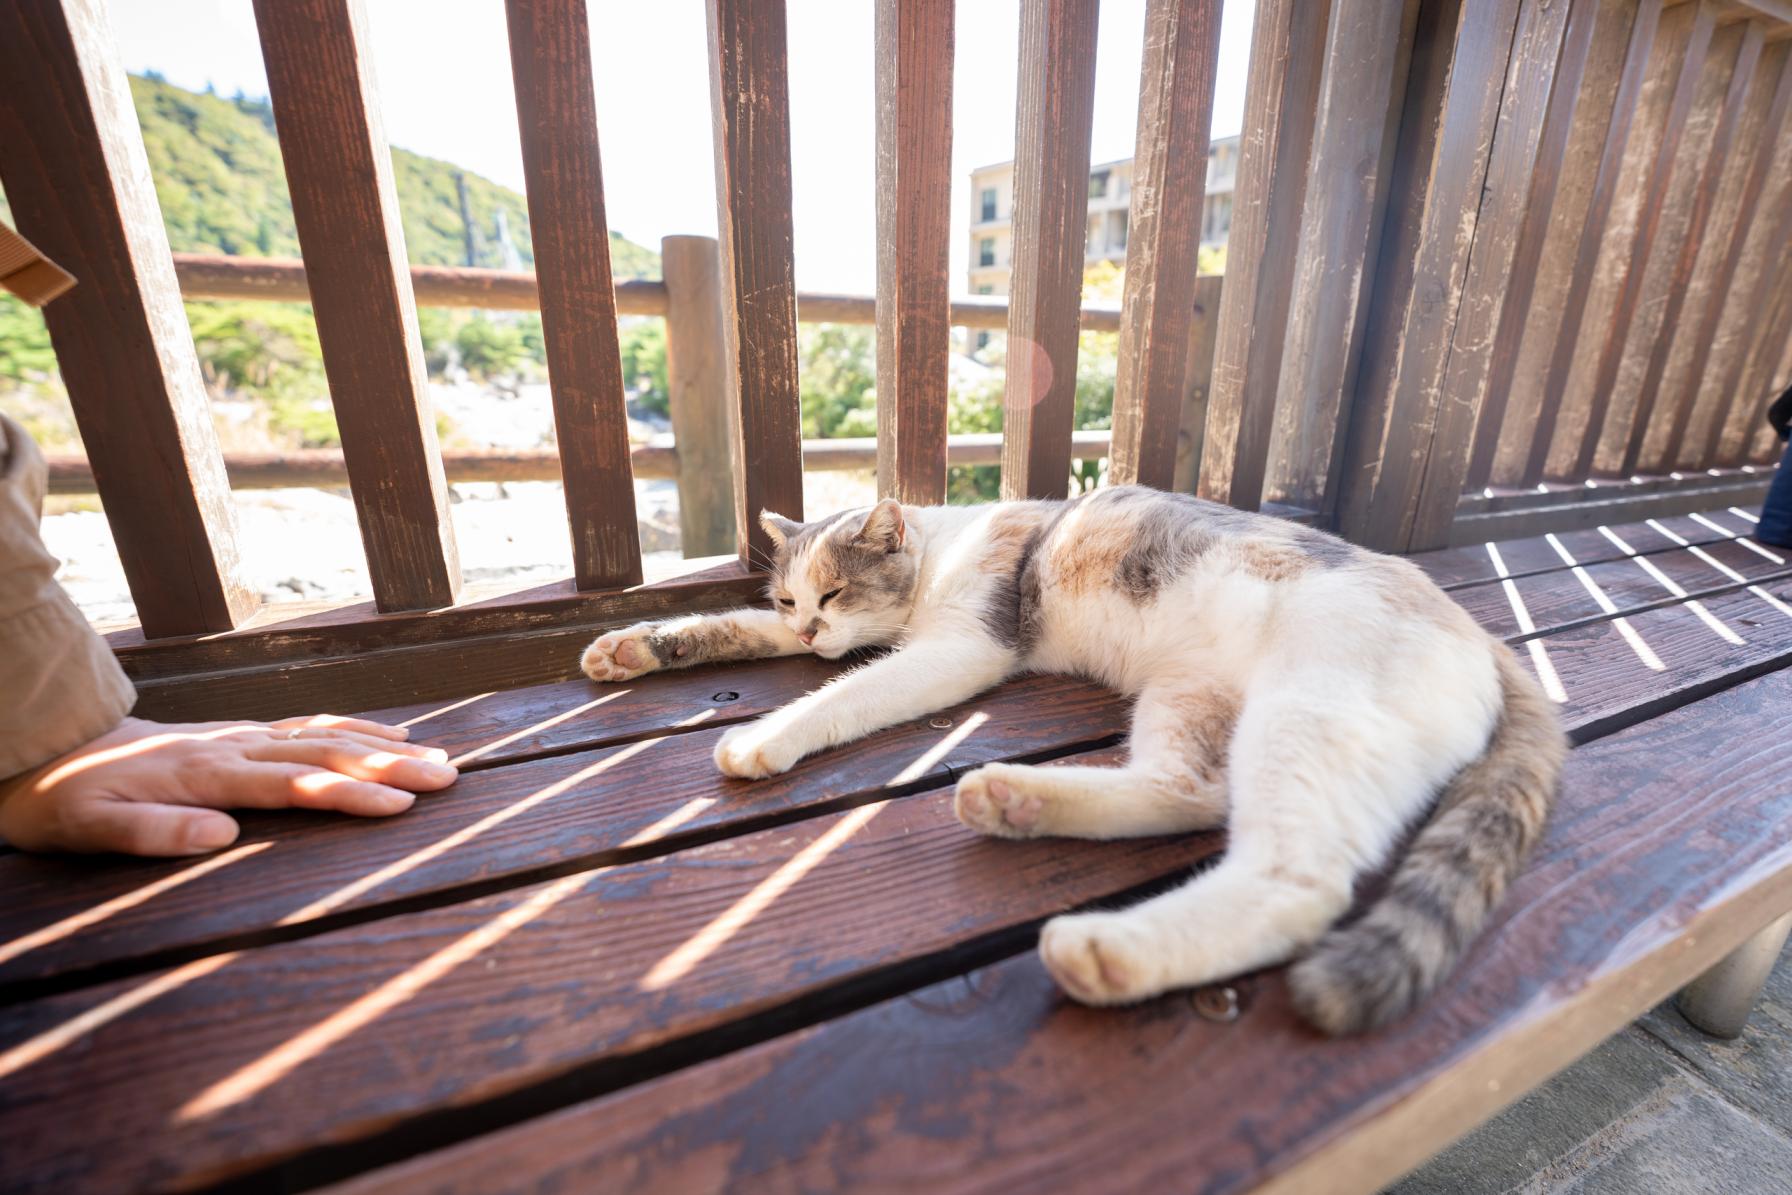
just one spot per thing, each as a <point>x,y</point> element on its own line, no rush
<point>644,363</point>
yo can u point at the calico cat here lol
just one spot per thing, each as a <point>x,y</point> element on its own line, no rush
<point>1315,698</point>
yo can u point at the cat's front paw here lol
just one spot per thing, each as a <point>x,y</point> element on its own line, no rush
<point>1100,958</point>
<point>754,751</point>
<point>620,655</point>
<point>990,802</point>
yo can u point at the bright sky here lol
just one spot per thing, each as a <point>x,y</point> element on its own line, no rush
<point>444,76</point>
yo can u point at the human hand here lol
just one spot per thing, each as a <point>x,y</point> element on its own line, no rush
<point>151,788</point>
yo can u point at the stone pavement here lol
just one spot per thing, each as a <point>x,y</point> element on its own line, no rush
<point>1660,1109</point>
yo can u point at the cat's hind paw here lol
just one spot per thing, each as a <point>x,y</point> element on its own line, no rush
<point>1100,958</point>
<point>991,801</point>
<point>620,655</point>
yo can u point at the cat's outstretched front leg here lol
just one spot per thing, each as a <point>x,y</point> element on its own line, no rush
<point>929,674</point>
<point>681,642</point>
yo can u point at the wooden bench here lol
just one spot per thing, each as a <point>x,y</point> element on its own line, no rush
<point>595,963</point>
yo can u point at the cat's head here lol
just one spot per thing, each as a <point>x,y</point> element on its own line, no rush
<point>846,581</point>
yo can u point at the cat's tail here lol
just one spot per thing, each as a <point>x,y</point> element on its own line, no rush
<point>1376,968</point>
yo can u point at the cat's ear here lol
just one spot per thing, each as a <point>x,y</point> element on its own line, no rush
<point>884,528</point>
<point>778,527</point>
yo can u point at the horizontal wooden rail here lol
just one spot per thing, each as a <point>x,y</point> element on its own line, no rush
<point>282,280</point>
<point>323,467</point>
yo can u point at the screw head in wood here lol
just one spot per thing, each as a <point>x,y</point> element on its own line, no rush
<point>726,695</point>
<point>941,723</point>
<point>1217,1003</point>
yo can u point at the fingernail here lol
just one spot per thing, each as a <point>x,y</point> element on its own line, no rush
<point>441,772</point>
<point>211,833</point>
<point>435,755</point>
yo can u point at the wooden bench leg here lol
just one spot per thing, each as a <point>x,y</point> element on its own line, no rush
<point>1720,1000</point>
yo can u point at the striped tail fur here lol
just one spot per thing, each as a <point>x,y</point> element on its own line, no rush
<point>1378,967</point>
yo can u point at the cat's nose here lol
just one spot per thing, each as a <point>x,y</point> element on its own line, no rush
<point>807,637</point>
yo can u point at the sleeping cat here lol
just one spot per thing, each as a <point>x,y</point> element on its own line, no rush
<point>1313,697</point>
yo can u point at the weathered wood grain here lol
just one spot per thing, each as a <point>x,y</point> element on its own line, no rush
<point>1053,124</point>
<point>513,824</point>
<point>996,1081</point>
<point>1681,440</point>
<point>1554,174</point>
<point>77,178</point>
<point>1361,98</point>
<point>1500,271</point>
<point>1288,57</point>
<point>1705,151</point>
<point>345,206</point>
<point>1746,435</point>
<point>1452,568</point>
<point>697,394</point>
<point>556,109</point>
<point>1169,193</point>
<point>1197,381</point>
<point>914,217</point>
<point>750,97</point>
<point>1676,63</point>
<point>579,973</point>
<point>1400,390</point>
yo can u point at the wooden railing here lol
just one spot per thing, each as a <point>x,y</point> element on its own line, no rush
<point>1479,245</point>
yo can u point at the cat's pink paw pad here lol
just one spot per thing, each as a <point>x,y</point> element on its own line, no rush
<point>992,806</point>
<point>620,655</point>
<point>1097,959</point>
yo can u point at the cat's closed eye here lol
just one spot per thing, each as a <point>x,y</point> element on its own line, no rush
<point>787,603</point>
<point>829,596</point>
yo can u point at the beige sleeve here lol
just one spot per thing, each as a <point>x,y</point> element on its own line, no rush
<point>59,684</point>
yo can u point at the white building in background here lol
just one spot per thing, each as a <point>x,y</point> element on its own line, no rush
<point>1110,200</point>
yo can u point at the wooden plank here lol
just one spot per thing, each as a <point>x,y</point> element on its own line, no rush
<point>914,218</point>
<point>1729,72</point>
<point>1737,204</point>
<point>1361,99</point>
<point>507,826</point>
<point>1754,391</point>
<point>647,953</point>
<point>1554,174</point>
<point>1453,568</point>
<point>1169,190</point>
<point>749,83</point>
<point>1571,516</point>
<point>1675,67</point>
<point>994,1081</point>
<point>1288,57</point>
<point>1581,235</point>
<point>1053,125</point>
<point>1400,389</point>
<point>345,206</point>
<point>697,393</point>
<point>556,109</point>
<point>77,176</point>
<point>1500,271</point>
<point>1197,381</point>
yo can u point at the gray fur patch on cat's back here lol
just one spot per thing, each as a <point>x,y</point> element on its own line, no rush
<point>1171,532</point>
<point>1011,612</point>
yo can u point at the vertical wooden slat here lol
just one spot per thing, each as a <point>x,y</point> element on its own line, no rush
<point>1169,183</point>
<point>1704,152</point>
<point>556,108</point>
<point>1361,95</point>
<point>1053,123</point>
<point>1548,176</point>
<point>1623,54</point>
<point>1675,72</point>
<point>1288,49</point>
<point>1197,380</point>
<point>914,216</point>
<point>345,207</point>
<point>1497,278</point>
<point>750,94</point>
<point>1714,277</point>
<point>1742,435</point>
<point>1750,292</point>
<point>77,176</point>
<point>697,393</point>
<point>1401,386</point>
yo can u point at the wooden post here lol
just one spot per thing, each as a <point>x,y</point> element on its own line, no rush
<point>1169,186</point>
<point>750,94</point>
<point>556,106</point>
<point>1053,126</point>
<point>1197,381</point>
<point>1459,65</point>
<point>696,359</point>
<point>1367,55</point>
<point>345,205</point>
<point>75,170</point>
<point>914,220</point>
<point>1288,50</point>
